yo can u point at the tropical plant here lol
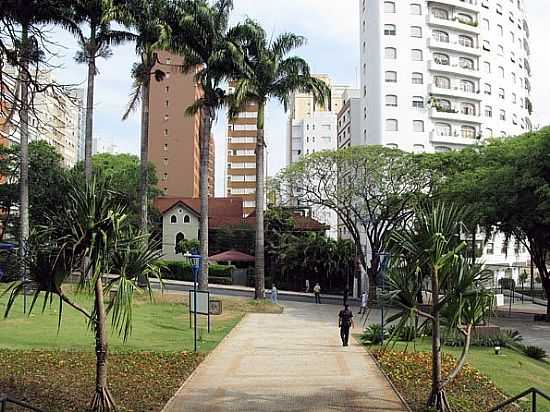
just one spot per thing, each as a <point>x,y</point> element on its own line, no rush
<point>91,228</point>
<point>431,249</point>
<point>188,246</point>
<point>374,335</point>
<point>269,73</point>
<point>535,352</point>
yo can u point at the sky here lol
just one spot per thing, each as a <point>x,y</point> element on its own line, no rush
<point>332,30</point>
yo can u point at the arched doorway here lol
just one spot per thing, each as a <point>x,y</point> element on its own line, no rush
<point>179,237</point>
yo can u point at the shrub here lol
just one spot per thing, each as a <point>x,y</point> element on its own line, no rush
<point>505,338</point>
<point>180,270</point>
<point>407,333</point>
<point>535,352</point>
<point>374,335</point>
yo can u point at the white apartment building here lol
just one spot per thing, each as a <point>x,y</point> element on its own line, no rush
<point>440,75</point>
<point>349,120</point>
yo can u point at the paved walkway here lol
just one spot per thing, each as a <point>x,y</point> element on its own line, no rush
<point>288,362</point>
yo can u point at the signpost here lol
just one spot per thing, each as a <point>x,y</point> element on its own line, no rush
<point>196,265</point>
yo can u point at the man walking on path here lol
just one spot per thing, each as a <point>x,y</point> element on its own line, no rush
<point>274,296</point>
<point>317,291</point>
<point>345,322</point>
<point>364,300</point>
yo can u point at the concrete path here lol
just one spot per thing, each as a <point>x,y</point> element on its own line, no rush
<point>288,362</point>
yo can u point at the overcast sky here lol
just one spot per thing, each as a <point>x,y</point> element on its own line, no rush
<point>332,30</point>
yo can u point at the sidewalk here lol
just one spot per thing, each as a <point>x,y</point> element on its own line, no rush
<point>288,362</point>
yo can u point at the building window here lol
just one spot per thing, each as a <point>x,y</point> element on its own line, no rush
<point>418,102</point>
<point>500,30</point>
<point>490,248</point>
<point>466,63</point>
<point>488,111</point>
<point>390,53</point>
<point>416,31</point>
<point>440,58</point>
<point>440,36</point>
<point>487,67</point>
<point>173,219</point>
<point>499,9</point>
<point>390,30</point>
<point>443,129</point>
<point>418,126</point>
<point>501,93</point>
<point>167,89</point>
<point>389,7</point>
<point>416,9</point>
<point>500,50</point>
<point>186,219</point>
<point>442,149</point>
<point>501,71</point>
<point>391,77</point>
<point>502,115</point>
<point>465,41</point>
<point>418,148</point>
<point>391,100</point>
<point>416,55</point>
<point>468,109</point>
<point>442,82</point>
<point>486,45</point>
<point>514,98</point>
<point>467,86</point>
<point>166,132</point>
<point>391,125</point>
<point>468,132</point>
<point>440,13</point>
<point>487,89</point>
<point>417,78</point>
<point>465,18</point>
<point>486,24</point>
<point>166,103</point>
<point>489,132</point>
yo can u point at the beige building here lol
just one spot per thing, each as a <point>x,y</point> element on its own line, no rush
<point>173,136</point>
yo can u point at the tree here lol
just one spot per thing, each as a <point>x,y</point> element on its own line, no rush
<point>372,189</point>
<point>92,227</point>
<point>431,249</point>
<point>269,73</point>
<point>99,16</point>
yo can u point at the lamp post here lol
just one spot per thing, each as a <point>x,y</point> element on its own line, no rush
<point>196,263</point>
<point>383,267</point>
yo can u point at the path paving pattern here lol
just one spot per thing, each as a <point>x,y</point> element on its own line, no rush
<point>288,362</point>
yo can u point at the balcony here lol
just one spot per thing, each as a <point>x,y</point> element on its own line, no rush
<point>454,139</point>
<point>454,92</point>
<point>470,5</point>
<point>454,24</point>
<point>454,69</point>
<point>454,46</point>
<point>457,117</point>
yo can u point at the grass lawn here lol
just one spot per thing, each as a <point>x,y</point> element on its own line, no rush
<point>511,371</point>
<point>55,369</point>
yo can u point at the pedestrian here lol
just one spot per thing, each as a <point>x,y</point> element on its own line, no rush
<point>345,322</point>
<point>364,299</point>
<point>317,291</point>
<point>274,294</point>
<point>307,285</point>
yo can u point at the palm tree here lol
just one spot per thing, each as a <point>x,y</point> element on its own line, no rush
<point>269,73</point>
<point>200,33</point>
<point>99,16</point>
<point>148,19</point>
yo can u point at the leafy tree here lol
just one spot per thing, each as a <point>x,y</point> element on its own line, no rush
<point>188,246</point>
<point>372,189</point>
<point>268,73</point>
<point>431,250</point>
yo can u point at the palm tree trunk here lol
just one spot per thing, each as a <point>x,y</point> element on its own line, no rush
<point>204,145</point>
<point>90,108</point>
<point>144,160</point>
<point>260,188</point>
<point>102,400</point>
<point>24,153</point>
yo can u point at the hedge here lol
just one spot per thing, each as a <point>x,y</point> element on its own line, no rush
<point>178,270</point>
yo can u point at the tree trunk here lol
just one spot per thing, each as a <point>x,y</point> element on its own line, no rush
<point>546,286</point>
<point>24,148</point>
<point>204,145</point>
<point>438,399</point>
<point>144,160</point>
<point>90,107</point>
<point>372,276</point>
<point>260,187</point>
<point>102,400</point>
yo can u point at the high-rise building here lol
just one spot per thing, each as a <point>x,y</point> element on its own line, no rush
<point>81,118</point>
<point>240,176</point>
<point>349,120</point>
<point>173,136</point>
<point>438,75</point>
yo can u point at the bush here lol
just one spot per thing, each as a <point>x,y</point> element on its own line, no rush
<point>505,338</point>
<point>179,270</point>
<point>535,352</point>
<point>374,335</point>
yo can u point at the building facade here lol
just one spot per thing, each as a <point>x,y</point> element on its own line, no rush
<point>240,179</point>
<point>349,120</point>
<point>441,75</point>
<point>173,136</point>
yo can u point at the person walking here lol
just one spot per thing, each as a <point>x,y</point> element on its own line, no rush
<point>364,299</point>
<point>274,293</point>
<point>345,322</point>
<point>317,292</point>
<point>307,285</point>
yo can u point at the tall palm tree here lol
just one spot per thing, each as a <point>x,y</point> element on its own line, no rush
<point>269,73</point>
<point>98,15</point>
<point>201,35</point>
<point>148,19</point>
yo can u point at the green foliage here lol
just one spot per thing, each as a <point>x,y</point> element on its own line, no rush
<point>180,270</point>
<point>535,352</point>
<point>239,237</point>
<point>504,339</point>
<point>188,246</point>
<point>374,335</point>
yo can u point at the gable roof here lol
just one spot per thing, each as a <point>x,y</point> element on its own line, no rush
<point>184,205</point>
<point>217,206</point>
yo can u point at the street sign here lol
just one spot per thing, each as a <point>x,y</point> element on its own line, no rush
<point>215,307</point>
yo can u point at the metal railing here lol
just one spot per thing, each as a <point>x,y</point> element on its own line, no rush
<point>5,400</point>
<point>533,392</point>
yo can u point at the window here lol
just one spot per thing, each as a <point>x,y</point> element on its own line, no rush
<point>442,149</point>
<point>173,219</point>
<point>391,100</point>
<point>486,45</point>
<point>166,132</point>
<point>441,58</point>
<point>514,98</point>
<point>418,148</point>
<point>500,30</point>
<point>467,86</point>
<point>442,82</point>
<point>416,55</point>
<point>440,36</point>
<point>465,18</point>
<point>166,103</point>
<point>391,125</point>
<point>440,13</point>
<point>391,77</point>
<point>489,132</point>
<point>468,109</point>
<point>390,53</point>
<point>514,79</point>
<point>501,93</point>
<point>499,9</point>
<point>417,78</point>
<point>490,248</point>
<point>488,111</point>
<point>167,89</point>
<point>443,129</point>
<point>487,89</point>
<point>502,115</point>
<point>487,67</point>
<point>392,146</point>
<point>389,7</point>
<point>501,71</point>
<point>389,29</point>
<point>416,31</point>
<point>468,132</point>
<point>180,237</point>
<point>500,50</point>
<point>418,102</point>
<point>465,41</point>
<point>486,24</point>
<point>418,126</point>
<point>466,63</point>
<point>416,9</point>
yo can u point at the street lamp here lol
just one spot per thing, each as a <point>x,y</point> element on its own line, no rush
<point>196,262</point>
